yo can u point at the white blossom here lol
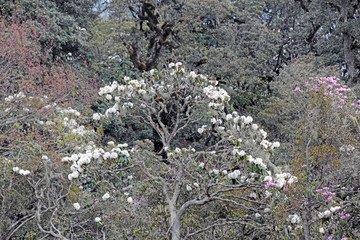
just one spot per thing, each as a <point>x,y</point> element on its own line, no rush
<point>96,116</point>
<point>106,196</point>
<point>76,206</point>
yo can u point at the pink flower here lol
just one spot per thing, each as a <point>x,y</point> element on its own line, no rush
<point>339,106</point>
<point>343,217</point>
<point>296,89</point>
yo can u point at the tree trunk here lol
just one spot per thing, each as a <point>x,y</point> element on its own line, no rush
<point>175,229</point>
<point>349,57</point>
<point>306,224</point>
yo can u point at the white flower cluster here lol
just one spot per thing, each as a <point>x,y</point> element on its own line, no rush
<point>80,159</point>
<point>129,88</point>
<point>218,96</point>
<point>294,218</point>
<point>234,175</point>
<point>21,171</point>
<point>269,145</point>
<point>15,97</point>
<point>246,120</point>
<point>214,171</point>
<point>284,178</point>
<point>237,152</point>
<point>69,110</point>
<point>327,213</point>
<point>106,196</point>
<point>76,206</point>
<point>202,129</point>
<point>257,161</point>
<point>346,148</point>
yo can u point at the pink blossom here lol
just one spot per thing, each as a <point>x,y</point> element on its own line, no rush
<point>296,89</point>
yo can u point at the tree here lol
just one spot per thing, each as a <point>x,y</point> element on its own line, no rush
<point>216,174</point>
<point>63,24</point>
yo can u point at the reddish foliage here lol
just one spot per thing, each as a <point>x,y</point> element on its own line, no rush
<point>25,66</point>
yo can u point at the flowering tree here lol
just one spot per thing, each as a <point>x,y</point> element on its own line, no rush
<point>325,160</point>
<point>35,126</point>
<point>223,173</point>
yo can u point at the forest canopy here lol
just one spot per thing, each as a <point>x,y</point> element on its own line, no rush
<point>179,119</point>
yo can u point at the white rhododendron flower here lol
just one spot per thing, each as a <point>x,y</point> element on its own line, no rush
<point>334,209</point>
<point>202,165</point>
<point>276,144</point>
<point>294,218</point>
<point>76,206</point>
<point>268,178</point>
<point>188,188</point>
<point>248,120</point>
<point>130,200</point>
<point>97,219</point>
<point>106,196</point>
<point>24,172</point>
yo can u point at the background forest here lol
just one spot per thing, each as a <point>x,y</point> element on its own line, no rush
<point>179,119</point>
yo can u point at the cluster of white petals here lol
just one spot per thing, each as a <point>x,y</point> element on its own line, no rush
<point>328,212</point>
<point>69,110</point>
<point>76,206</point>
<point>284,178</point>
<point>106,196</point>
<point>14,97</point>
<point>294,218</point>
<point>80,159</point>
<point>234,175</point>
<point>21,171</point>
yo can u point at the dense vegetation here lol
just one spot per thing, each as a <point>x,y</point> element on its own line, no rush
<point>179,119</point>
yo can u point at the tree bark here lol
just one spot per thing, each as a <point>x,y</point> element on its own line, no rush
<point>349,57</point>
